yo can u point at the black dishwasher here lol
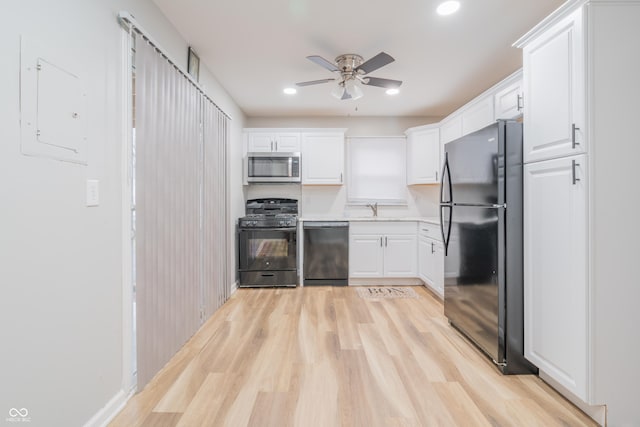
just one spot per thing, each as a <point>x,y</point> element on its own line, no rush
<point>326,253</point>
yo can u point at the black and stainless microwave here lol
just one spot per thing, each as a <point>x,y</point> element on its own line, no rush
<point>273,167</point>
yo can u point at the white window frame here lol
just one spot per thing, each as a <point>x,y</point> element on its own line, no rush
<point>398,168</point>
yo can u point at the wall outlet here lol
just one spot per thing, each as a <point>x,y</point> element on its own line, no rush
<point>93,192</point>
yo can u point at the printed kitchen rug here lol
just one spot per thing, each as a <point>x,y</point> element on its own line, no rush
<point>369,292</point>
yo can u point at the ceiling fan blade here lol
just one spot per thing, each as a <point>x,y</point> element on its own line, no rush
<point>385,83</point>
<point>323,62</point>
<point>378,61</point>
<point>314,82</point>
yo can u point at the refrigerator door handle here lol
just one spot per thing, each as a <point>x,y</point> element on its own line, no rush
<point>445,169</point>
<point>447,236</point>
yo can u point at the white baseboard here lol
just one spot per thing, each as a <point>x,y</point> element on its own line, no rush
<point>596,413</point>
<point>110,410</point>
<point>234,288</point>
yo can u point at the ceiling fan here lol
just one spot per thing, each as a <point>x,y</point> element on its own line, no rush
<point>353,70</point>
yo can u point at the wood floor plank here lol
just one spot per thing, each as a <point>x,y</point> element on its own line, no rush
<point>165,419</point>
<point>385,373</point>
<point>347,326</point>
<point>460,406</point>
<point>205,404</point>
<point>324,356</point>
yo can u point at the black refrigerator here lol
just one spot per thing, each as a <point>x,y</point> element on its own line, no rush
<point>481,223</point>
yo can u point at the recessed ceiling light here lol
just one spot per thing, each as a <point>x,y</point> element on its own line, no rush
<point>290,90</point>
<point>448,7</point>
<point>393,91</point>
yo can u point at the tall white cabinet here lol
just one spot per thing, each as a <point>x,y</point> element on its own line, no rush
<point>581,201</point>
<point>556,312</point>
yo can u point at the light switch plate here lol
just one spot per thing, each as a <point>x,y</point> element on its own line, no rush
<point>93,192</point>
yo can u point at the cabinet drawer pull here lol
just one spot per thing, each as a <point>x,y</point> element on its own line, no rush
<point>519,106</point>
<point>573,171</point>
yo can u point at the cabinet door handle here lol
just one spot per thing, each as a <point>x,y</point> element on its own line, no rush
<point>340,177</point>
<point>520,106</point>
<point>271,145</point>
<point>276,145</point>
<point>436,176</point>
<point>432,250</point>
<point>385,241</point>
<point>573,171</point>
<point>573,135</point>
<point>381,241</point>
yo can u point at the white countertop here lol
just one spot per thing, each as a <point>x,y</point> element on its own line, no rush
<point>430,220</point>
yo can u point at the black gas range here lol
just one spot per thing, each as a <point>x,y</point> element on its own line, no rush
<point>267,243</point>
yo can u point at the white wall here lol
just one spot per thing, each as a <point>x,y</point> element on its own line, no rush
<point>355,125</point>
<point>331,201</point>
<point>60,261</point>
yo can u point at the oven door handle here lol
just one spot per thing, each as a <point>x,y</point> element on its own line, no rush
<point>268,229</point>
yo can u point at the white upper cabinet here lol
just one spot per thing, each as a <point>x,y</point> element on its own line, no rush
<point>423,155</point>
<point>555,270</point>
<point>509,102</point>
<point>477,115</point>
<point>322,158</point>
<point>502,101</point>
<point>450,128</point>
<point>266,142</point>
<point>554,88</point>
<point>287,142</point>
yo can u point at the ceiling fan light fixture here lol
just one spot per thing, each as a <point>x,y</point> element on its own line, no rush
<point>393,91</point>
<point>338,90</point>
<point>353,89</point>
<point>448,7</point>
<point>290,90</point>
<point>348,89</point>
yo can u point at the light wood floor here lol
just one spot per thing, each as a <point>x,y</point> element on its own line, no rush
<point>325,357</point>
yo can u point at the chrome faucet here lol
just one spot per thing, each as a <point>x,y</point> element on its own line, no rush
<point>374,208</point>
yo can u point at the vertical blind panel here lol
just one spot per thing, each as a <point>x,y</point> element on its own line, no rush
<point>214,242</point>
<point>168,175</point>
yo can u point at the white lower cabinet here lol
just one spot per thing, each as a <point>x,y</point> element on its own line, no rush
<point>555,274</point>
<point>383,249</point>
<point>431,259</point>
<point>366,255</point>
<point>400,258</point>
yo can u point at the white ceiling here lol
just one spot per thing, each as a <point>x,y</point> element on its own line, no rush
<point>256,48</point>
